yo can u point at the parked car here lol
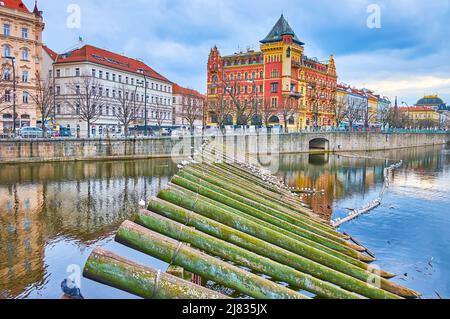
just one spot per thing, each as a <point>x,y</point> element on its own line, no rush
<point>30,132</point>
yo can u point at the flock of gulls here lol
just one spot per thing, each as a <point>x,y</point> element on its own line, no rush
<point>375,203</point>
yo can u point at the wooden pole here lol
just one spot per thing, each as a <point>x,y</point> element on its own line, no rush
<point>240,256</point>
<point>220,230</point>
<point>293,225</point>
<point>177,253</point>
<point>112,270</point>
<point>269,224</point>
<point>255,229</point>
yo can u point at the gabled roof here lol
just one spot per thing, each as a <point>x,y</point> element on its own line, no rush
<point>89,53</point>
<point>15,5</point>
<point>280,29</point>
<point>177,89</point>
<point>50,52</point>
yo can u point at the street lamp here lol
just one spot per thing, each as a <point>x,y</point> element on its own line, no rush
<point>13,61</point>
<point>142,71</point>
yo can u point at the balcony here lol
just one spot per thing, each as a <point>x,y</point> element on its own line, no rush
<point>296,64</point>
<point>295,95</point>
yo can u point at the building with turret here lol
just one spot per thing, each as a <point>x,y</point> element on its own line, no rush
<point>277,85</point>
<point>21,58</point>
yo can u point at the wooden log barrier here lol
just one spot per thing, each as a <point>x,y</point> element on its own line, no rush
<point>112,270</point>
<point>177,253</point>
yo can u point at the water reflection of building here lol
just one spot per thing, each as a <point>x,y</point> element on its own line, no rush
<point>83,202</point>
<point>337,176</point>
<point>21,238</point>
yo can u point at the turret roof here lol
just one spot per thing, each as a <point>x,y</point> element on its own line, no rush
<point>280,29</point>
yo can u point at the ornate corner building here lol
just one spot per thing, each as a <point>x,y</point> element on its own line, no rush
<point>280,80</point>
<point>21,57</point>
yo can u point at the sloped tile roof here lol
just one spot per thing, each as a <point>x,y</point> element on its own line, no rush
<point>89,53</point>
<point>15,5</point>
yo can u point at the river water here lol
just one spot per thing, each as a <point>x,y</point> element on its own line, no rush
<point>53,215</point>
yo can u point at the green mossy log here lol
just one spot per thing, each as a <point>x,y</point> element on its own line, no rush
<point>216,229</point>
<point>277,218</point>
<point>115,271</point>
<point>240,256</point>
<point>254,229</point>
<point>177,253</point>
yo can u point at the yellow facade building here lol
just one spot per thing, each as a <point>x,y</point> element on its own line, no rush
<point>21,57</point>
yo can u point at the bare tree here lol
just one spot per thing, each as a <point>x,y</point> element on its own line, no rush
<point>192,110</point>
<point>43,98</point>
<point>288,110</point>
<point>160,114</point>
<point>221,108</point>
<point>384,113</point>
<point>87,101</point>
<point>354,111</point>
<point>367,116</point>
<point>267,111</point>
<point>126,108</point>
<point>340,111</point>
<point>243,103</point>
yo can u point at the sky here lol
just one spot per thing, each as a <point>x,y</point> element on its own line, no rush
<point>407,56</point>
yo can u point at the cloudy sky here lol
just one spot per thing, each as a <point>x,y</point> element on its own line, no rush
<point>408,56</point>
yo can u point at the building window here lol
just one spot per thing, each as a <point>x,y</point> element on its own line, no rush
<point>24,54</point>
<point>77,72</point>
<point>24,33</point>
<point>58,109</point>
<point>58,73</point>
<point>7,51</point>
<point>114,77</point>
<point>107,76</point>
<point>25,97</point>
<point>120,79</point>
<point>100,74</point>
<point>274,87</point>
<point>58,90</point>
<point>274,102</point>
<point>94,73</point>
<point>6,30</point>
<point>7,96</point>
<point>274,73</point>
<point>7,75</point>
<point>25,76</point>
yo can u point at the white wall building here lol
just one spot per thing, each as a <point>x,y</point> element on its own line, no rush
<point>184,99</point>
<point>114,73</point>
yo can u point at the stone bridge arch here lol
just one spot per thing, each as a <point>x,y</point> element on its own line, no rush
<point>319,144</point>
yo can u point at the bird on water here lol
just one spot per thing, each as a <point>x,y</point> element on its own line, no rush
<point>71,290</point>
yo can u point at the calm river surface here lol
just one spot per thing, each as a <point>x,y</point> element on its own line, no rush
<point>53,215</point>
